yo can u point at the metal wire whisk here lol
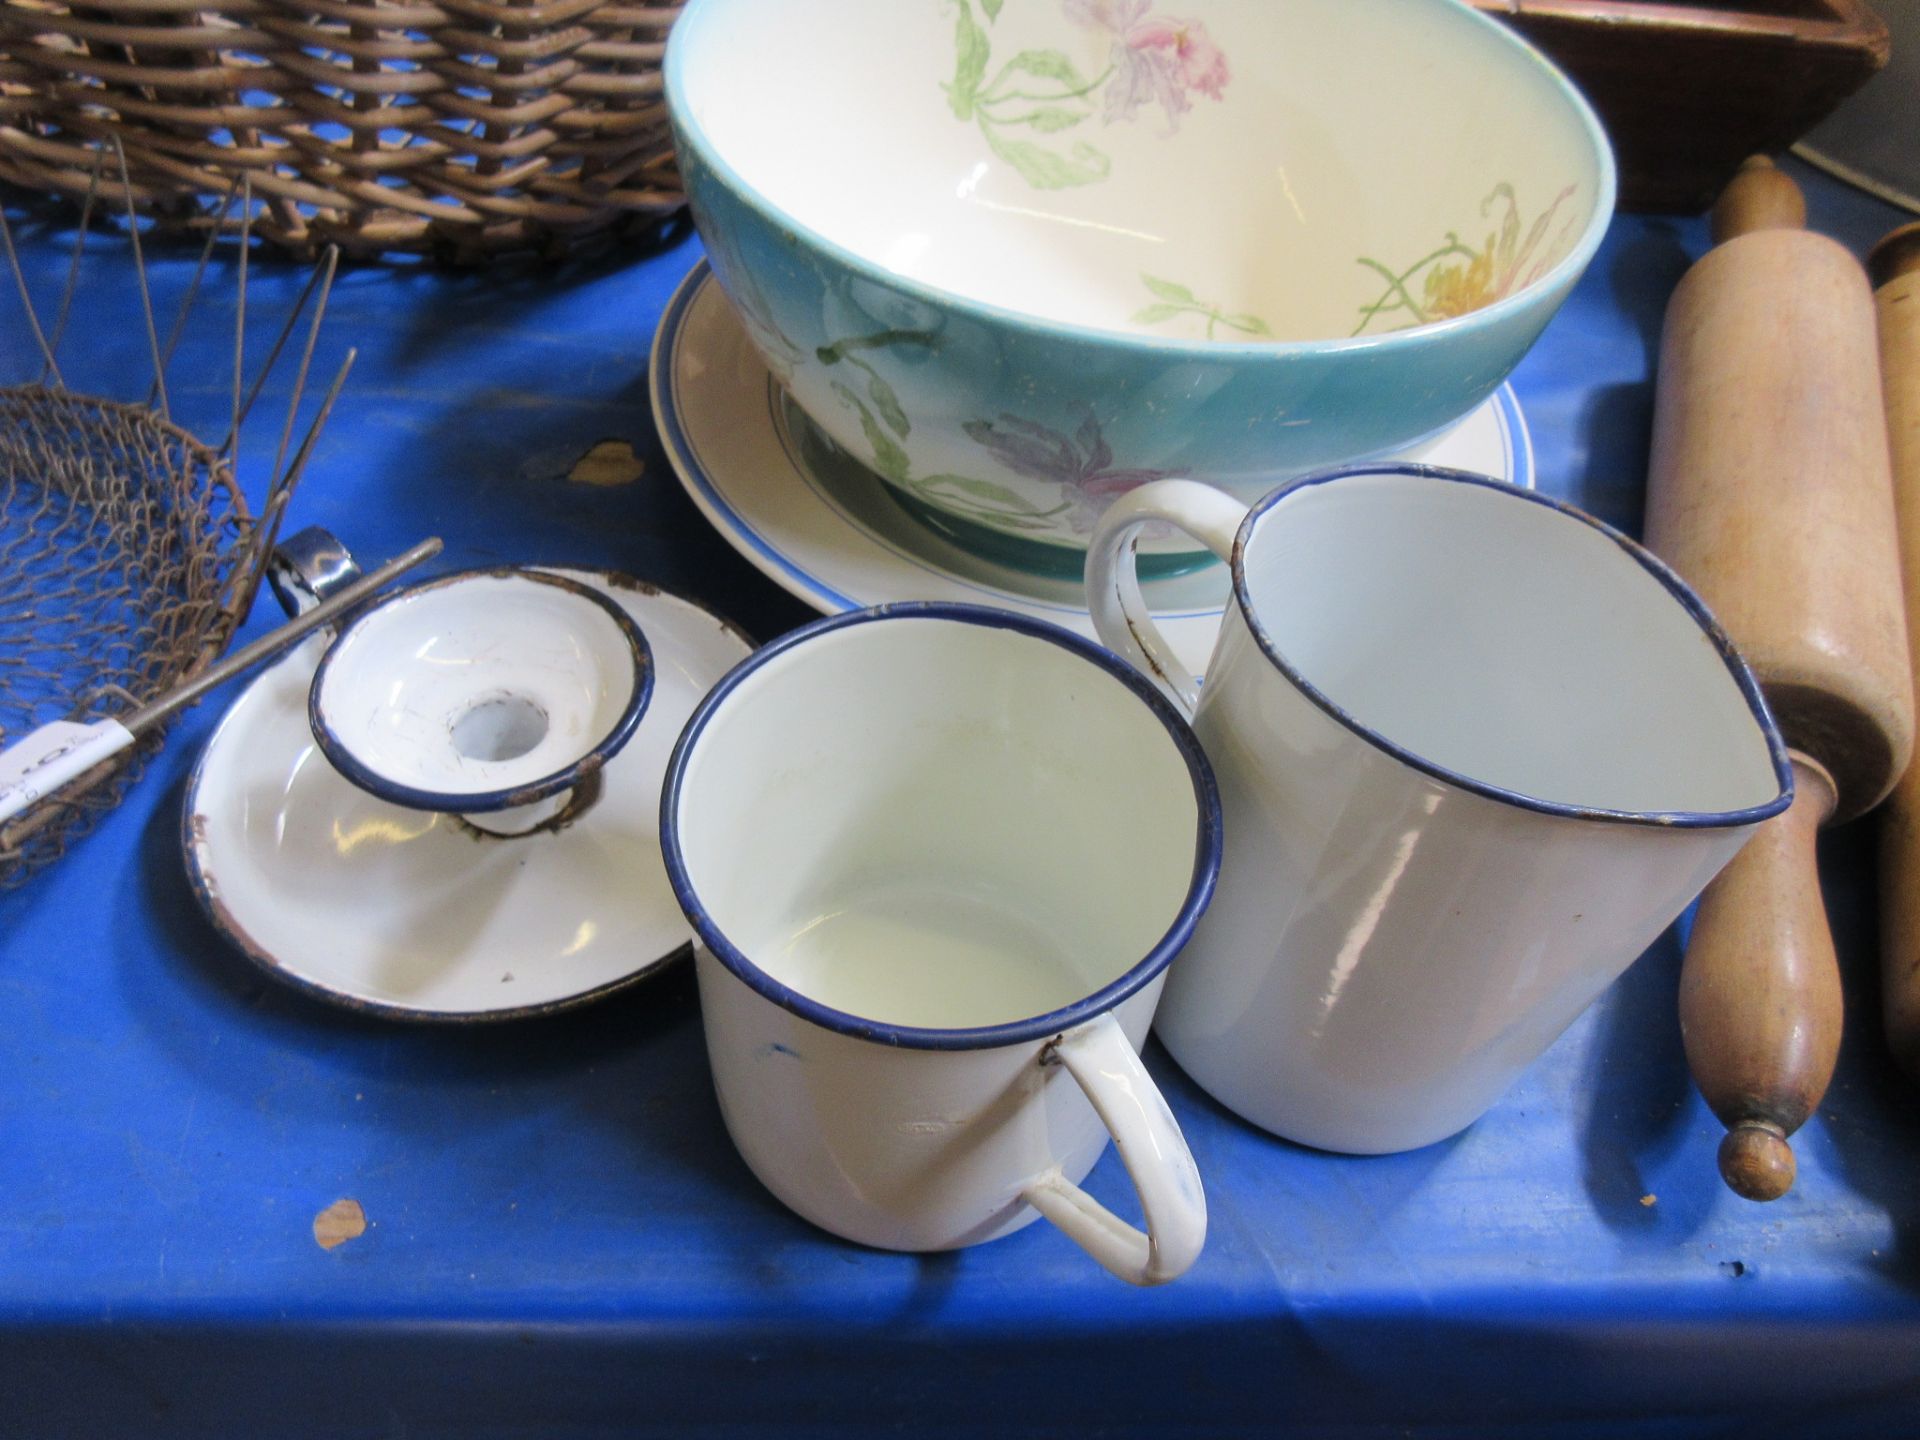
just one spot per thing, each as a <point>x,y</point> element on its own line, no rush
<point>127,551</point>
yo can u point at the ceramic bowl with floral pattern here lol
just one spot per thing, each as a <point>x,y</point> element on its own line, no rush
<point>1020,256</point>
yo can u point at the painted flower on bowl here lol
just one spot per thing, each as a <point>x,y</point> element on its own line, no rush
<point>1456,279</point>
<point>1152,59</point>
<point>1081,465</point>
<point>1156,59</point>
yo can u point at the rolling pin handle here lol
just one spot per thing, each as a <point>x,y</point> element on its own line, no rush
<point>1897,254</point>
<point>1760,1002</point>
<point>1759,197</point>
<point>1756,1161</point>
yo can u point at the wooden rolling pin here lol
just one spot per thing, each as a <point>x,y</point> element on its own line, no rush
<point>1895,267</point>
<point>1769,491</point>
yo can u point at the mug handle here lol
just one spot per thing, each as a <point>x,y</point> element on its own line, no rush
<point>1102,1060</point>
<point>1119,611</point>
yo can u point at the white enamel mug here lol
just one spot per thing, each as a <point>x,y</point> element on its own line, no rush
<point>1475,749</point>
<point>938,858</point>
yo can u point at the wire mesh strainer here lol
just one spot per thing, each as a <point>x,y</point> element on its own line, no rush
<point>127,552</point>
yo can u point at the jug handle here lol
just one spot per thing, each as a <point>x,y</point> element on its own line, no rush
<point>1120,615</point>
<point>1102,1060</point>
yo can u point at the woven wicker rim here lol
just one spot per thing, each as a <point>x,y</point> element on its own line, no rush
<point>458,128</point>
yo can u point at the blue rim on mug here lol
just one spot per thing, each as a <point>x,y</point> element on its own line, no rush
<point>1645,558</point>
<point>396,792</point>
<point>1206,860</point>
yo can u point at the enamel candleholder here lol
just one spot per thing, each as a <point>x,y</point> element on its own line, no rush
<point>493,695</point>
<point>448,812</point>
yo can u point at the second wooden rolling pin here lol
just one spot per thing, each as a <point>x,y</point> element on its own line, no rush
<point>1769,491</point>
<point>1895,265</point>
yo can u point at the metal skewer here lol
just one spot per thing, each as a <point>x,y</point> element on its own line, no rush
<point>50,756</point>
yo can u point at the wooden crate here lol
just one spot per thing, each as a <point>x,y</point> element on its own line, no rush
<point>1688,91</point>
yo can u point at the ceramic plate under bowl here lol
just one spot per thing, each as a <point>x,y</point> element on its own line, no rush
<point>828,531</point>
<point>418,916</point>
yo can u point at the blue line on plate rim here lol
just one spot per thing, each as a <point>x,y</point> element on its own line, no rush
<point>677,437</point>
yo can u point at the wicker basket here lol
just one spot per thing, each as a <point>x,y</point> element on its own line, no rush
<point>458,128</point>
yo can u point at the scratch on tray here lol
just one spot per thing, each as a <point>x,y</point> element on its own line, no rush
<point>1382,1238</point>
<point>180,1150</point>
<point>340,1222</point>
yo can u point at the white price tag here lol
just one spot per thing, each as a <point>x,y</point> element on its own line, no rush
<point>53,755</point>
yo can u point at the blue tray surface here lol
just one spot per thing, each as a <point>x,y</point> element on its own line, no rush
<point>561,1240</point>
